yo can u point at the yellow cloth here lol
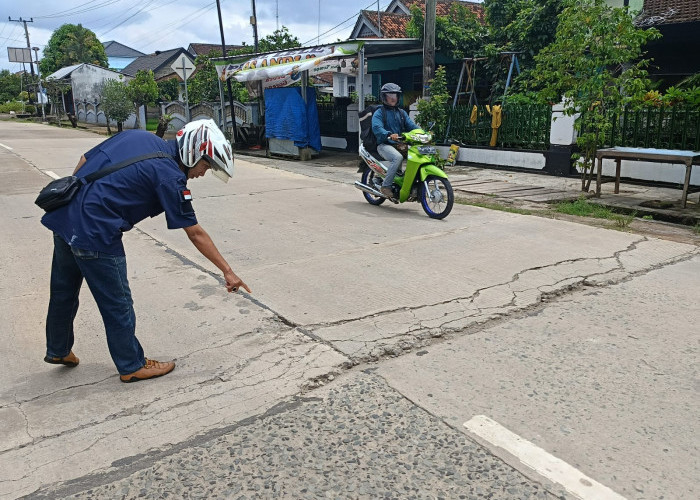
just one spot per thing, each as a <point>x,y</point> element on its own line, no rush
<point>496,120</point>
<point>472,117</point>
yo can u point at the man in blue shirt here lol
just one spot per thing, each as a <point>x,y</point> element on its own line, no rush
<point>387,123</point>
<point>88,233</point>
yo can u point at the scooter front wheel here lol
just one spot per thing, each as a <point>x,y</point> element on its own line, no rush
<point>438,198</point>
<point>368,179</point>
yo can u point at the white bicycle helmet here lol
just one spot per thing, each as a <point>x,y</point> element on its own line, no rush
<point>203,139</point>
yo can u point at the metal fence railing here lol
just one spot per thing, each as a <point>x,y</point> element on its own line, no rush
<point>333,120</point>
<point>675,127</point>
<point>522,126</point>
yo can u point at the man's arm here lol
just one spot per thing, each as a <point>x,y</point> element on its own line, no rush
<point>201,240</point>
<point>81,162</point>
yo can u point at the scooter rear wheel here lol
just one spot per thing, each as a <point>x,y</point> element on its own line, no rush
<point>437,201</point>
<point>367,179</point>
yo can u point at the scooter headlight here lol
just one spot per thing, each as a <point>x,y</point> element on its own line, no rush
<point>423,137</point>
<point>427,150</point>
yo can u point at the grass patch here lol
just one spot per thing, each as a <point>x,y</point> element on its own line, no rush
<point>696,229</point>
<point>584,208</point>
<point>496,206</point>
<point>152,124</point>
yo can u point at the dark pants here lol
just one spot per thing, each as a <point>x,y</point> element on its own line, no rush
<point>106,277</point>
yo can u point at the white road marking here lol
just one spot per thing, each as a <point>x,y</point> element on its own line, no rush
<point>52,174</point>
<point>6,147</point>
<point>547,465</point>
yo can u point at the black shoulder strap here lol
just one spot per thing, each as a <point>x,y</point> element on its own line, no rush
<point>106,171</point>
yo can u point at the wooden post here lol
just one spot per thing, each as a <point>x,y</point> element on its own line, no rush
<point>429,45</point>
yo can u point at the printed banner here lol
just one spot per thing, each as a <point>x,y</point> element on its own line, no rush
<point>284,68</point>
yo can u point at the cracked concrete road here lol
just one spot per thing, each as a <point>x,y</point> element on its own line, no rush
<point>336,282</point>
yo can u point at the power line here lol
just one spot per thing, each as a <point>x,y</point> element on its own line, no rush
<point>339,24</point>
<point>73,11</point>
<point>131,16</point>
<point>199,12</point>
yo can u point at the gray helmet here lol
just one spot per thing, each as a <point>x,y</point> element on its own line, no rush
<point>390,88</point>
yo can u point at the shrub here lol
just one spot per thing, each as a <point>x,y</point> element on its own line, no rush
<point>15,106</point>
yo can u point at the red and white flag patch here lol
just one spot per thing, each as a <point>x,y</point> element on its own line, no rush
<point>186,195</point>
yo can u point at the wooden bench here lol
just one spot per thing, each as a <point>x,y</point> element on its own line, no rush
<point>688,158</point>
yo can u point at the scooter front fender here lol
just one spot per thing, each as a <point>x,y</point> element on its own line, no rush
<point>430,169</point>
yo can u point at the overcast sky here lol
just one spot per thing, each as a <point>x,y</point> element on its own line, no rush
<point>150,25</point>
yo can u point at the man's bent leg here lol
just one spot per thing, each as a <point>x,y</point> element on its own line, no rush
<point>66,280</point>
<point>106,276</point>
<point>392,161</point>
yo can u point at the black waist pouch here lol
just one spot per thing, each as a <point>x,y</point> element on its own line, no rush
<point>58,192</point>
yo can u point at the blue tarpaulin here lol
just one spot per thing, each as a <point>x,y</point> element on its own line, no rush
<point>288,117</point>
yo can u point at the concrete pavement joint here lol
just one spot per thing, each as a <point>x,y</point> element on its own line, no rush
<point>421,335</point>
<point>545,483</point>
<point>188,262</point>
<point>41,396</point>
<point>124,467</point>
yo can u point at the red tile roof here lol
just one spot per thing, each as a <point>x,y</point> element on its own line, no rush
<point>657,12</point>
<point>394,25</point>
<point>443,6</point>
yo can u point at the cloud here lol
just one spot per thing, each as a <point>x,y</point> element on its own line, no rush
<point>150,25</point>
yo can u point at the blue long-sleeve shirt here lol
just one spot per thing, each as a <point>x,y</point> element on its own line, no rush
<point>397,121</point>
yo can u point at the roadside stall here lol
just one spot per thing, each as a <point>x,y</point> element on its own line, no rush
<point>290,123</point>
<point>291,117</point>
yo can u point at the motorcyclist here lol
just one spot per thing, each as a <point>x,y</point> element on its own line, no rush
<point>387,123</point>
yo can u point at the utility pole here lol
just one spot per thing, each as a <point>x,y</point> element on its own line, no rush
<point>254,22</point>
<point>428,45</point>
<point>228,82</point>
<point>41,90</point>
<point>26,34</point>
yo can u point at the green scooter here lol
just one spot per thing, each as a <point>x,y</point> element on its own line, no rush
<point>422,180</point>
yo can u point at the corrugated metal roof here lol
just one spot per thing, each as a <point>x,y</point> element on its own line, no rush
<point>64,72</point>
<point>657,12</point>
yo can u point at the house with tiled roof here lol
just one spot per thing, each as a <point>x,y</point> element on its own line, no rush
<point>203,49</point>
<point>392,22</point>
<point>119,56</point>
<point>160,63</point>
<point>675,55</point>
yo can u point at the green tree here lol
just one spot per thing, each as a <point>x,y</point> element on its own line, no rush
<point>459,34</point>
<point>522,26</point>
<point>72,44</point>
<point>168,90</point>
<point>10,85</point>
<point>116,103</point>
<point>596,66</point>
<point>55,90</point>
<point>433,111</point>
<point>142,90</point>
<point>204,85</point>
<point>280,39</point>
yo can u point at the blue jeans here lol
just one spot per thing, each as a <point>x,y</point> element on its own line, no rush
<point>106,277</point>
<point>392,162</point>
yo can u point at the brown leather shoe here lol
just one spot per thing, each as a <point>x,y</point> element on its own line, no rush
<point>71,360</point>
<point>151,369</point>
